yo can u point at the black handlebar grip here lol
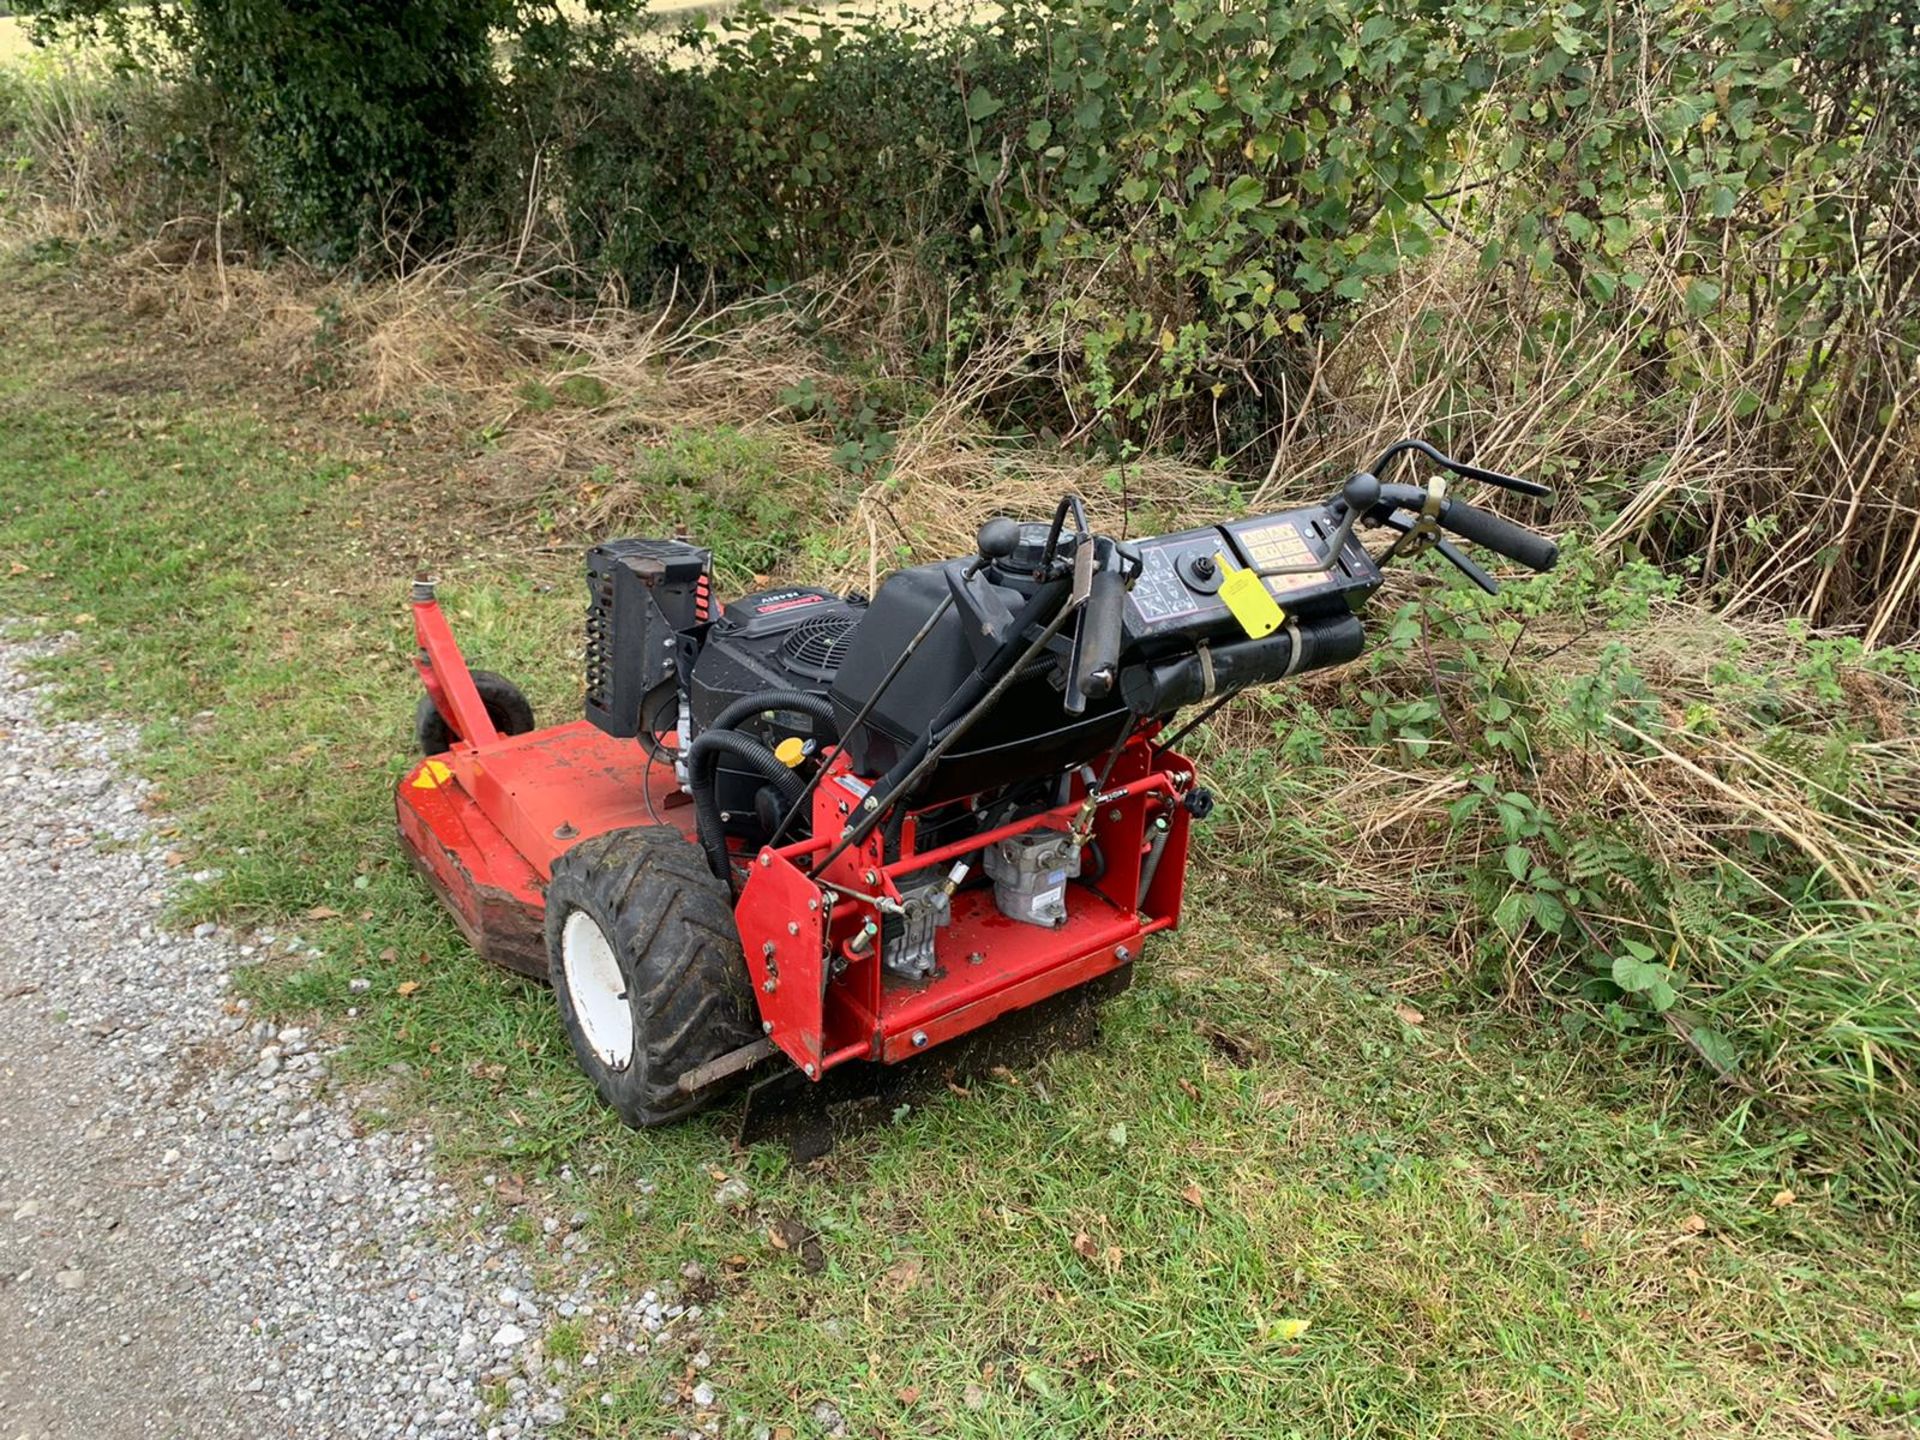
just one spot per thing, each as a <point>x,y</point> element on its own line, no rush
<point>1100,627</point>
<point>1501,536</point>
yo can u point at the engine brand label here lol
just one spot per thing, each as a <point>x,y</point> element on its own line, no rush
<point>787,600</point>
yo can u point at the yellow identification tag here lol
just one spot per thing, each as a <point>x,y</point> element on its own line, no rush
<point>1249,599</point>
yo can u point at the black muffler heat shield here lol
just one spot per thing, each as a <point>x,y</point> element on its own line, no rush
<point>1161,687</point>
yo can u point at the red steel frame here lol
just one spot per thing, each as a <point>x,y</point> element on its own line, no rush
<point>485,821</point>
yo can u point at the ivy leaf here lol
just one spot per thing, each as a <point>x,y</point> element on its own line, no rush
<point>982,103</point>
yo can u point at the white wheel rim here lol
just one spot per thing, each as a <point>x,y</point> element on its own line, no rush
<point>598,990</point>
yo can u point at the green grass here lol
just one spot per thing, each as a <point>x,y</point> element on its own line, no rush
<point>1265,1204</point>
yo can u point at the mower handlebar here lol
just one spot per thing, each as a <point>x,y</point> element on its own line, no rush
<point>1470,522</point>
<point>1498,534</point>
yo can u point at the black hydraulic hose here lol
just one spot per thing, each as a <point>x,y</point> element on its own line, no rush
<point>804,701</point>
<point>702,756</point>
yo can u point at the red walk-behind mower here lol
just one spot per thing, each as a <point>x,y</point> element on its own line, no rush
<point>838,828</point>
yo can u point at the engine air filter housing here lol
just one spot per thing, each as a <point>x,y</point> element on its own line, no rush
<point>787,639</point>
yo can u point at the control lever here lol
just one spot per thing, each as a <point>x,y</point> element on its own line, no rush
<point>1403,524</point>
<point>1359,495</point>
<point>996,541</point>
<point>1460,468</point>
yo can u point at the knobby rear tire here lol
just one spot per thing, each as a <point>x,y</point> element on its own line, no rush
<point>670,925</point>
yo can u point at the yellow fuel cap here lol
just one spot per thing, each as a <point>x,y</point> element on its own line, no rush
<point>790,751</point>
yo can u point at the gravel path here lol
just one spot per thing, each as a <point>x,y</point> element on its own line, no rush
<point>196,1238</point>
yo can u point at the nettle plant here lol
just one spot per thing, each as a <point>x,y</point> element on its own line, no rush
<point>1571,890</point>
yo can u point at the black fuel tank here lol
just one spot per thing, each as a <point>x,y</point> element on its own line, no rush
<point>1025,734</point>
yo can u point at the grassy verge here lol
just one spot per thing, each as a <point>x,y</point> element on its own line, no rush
<point>1274,1200</point>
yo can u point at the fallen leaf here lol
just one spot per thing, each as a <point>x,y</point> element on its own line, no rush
<point>1290,1329</point>
<point>905,1273</point>
<point>16,569</point>
<point>1003,1074</point>
<point>1409,1015</point>
<point>407,987</point>
<point>83,619</point>
<point>908,1394</point>
<point>777,1238</point>
<point>1783,1199</point>
<point>1084,1247</point>
<point>1194,1196</point>
<point>1114,1256</point>
<point>389,954</point>
<point>974,1397</point>
<point>716,1173</point>
<point>1693,1225</point>
<point>1188,1088</point>
<point>323,912</point>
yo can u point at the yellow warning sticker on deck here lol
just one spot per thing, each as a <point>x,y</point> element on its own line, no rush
<point>1250,601</point>
<point>432,775</point>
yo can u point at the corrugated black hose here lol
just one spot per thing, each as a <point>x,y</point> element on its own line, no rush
<point>720,739</point>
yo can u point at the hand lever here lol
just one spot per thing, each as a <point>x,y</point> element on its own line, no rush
<point>1450,553</point>
<point>1460,468</point>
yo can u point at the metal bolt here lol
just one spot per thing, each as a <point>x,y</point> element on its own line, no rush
<point>1122,954</point>
<point>766,1027</point>
<point>1114,814</point>
<point>767,949</point>
<point>793,927</point>
<point>843,807</point>
<point>813,904</point>
<point>809,1068</point>
<point>919,1039</point>
<point>770,985</point>
<point>766,857</point>
<point>975,958</point>
<point>872,878</point>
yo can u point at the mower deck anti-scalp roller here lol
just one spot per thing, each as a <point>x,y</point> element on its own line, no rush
<point>832,828</point>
